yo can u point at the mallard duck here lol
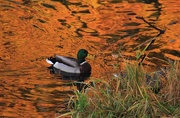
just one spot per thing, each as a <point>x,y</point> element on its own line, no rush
<point>69,66</point>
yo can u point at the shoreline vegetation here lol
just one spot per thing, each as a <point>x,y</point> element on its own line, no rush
<point>129,96</point>
<point>132,93</point>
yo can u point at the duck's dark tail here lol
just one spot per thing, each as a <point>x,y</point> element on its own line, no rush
<point>51,60</point>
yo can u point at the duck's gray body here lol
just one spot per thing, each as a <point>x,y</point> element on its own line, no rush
<point>68,66</point>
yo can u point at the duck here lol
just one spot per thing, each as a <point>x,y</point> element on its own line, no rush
<point>71,67</point>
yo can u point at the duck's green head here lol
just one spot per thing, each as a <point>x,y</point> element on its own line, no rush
<point>82,54</point>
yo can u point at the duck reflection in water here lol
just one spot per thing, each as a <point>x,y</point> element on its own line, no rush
<point>71,68</point>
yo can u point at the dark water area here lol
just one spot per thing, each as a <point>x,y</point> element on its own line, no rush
<point>32,30</point>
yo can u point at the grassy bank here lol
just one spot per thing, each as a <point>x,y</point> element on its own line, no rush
<point>130,95</point>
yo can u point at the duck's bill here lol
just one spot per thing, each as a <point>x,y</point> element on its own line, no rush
<point>90,56</point>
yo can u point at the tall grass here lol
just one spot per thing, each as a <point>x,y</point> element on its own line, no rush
<point>129,95</point>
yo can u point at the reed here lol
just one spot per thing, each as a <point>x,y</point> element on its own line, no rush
<point>129,95</point>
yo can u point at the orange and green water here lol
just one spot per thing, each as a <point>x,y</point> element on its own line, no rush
<point>108,29</point>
